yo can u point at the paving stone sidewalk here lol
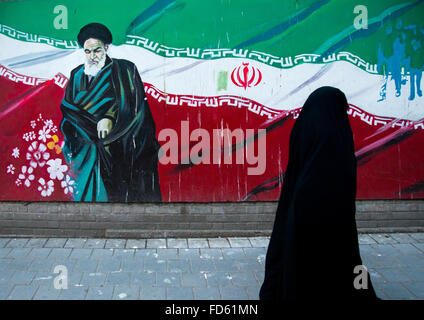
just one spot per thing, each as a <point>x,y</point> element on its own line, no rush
<point>200,269</point>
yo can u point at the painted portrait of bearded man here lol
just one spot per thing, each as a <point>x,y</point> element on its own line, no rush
<point>109,131</point>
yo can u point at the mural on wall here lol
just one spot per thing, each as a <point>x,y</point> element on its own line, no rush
<point>172,100</point>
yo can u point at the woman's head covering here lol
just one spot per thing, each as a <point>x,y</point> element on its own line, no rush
<point>322,132</point>
<point>96,31</point>
<point>314,245</point>
<point>321,149</point>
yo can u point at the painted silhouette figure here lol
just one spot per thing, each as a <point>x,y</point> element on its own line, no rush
<point>415,53</point>
<point>404,54</point>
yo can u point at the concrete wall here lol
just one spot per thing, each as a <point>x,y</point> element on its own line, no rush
<point>57,219</point>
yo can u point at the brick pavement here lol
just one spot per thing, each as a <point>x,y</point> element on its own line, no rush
<point>206,269</point>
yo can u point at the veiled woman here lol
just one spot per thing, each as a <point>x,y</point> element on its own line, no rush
<point>313,250</point>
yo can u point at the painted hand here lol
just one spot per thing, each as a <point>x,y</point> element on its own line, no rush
<point>103,128</point>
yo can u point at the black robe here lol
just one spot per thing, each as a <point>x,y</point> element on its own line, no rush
<point>314,248</point>
<point>123,166</point>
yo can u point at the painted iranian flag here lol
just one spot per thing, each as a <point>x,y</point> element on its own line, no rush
<point>246,65</point>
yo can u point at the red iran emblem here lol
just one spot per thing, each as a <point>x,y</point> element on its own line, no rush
<point>246,76</point>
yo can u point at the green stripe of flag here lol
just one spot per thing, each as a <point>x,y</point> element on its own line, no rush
<point>276,28</point>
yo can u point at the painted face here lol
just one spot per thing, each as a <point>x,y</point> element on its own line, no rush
<point>94,50</point>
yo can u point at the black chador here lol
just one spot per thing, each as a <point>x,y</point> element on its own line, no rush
<point>313,252</point>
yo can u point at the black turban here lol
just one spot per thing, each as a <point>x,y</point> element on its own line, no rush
<point>96,31</point>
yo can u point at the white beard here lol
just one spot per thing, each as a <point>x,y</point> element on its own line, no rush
<point>93,69</point>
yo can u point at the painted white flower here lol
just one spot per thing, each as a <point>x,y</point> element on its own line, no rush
<point>48,123</point>
<point>29,136</point>
<point>40,117</point>
<point>36,154</point>
<point>11,169</point>
<point>33,124</point>
<point>15,153</point>
<point>56,169</point>
<point>45,188</point>
<point>26,175</point>
<point>18,182</point>
<point>44,134</point>
<point>68,185</point>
